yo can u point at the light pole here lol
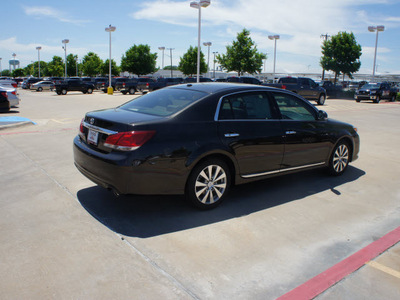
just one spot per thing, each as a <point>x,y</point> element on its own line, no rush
<point>170,54</point>
<point>110,89</point>
<point>208,44</point>
<point>215,52</point>
<point>198,5</point>
<point>162,49</point>
<point>65,42</point>
<point>38,51</point>
<point>377,29</point>
<point>1,70</point>
<point>274,37</point>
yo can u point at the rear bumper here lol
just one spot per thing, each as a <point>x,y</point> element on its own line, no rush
<point>126,175</point>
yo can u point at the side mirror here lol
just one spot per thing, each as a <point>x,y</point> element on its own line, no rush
<point>322,115</point>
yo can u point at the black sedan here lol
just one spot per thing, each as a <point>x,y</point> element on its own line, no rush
<point>199,139</point>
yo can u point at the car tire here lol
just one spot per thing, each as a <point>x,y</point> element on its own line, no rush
<point>378,99</point>
<point>58,92</point>
<point>393,98</point>
<point>63,91</point>
<point>358,100</point>
<point>40,89</point>
<point>89,90</point>
<point>132,91</point>
<point>124,92</point>
<point>339,159</point>
<point>208,184</point>
<point>321,99</point>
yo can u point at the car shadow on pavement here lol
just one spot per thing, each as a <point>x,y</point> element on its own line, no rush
<point>148,216</point>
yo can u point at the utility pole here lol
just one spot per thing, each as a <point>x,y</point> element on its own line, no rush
<point>325,37</point>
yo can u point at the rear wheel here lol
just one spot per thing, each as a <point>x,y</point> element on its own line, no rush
<point>63,91</point>
<point>321,99</point>
<point>393,98</point>
<point>40,89</point>
<point>132,91</point>
<point>89,90</point>
<point>58,92</point>
<point>208,184</point>
<point>340,159</point>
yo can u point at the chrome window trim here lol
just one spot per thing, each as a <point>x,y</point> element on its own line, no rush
<point>282,170</point>
<point>99,129</point>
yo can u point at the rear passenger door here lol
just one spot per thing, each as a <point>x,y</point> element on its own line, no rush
<point>248,125</point>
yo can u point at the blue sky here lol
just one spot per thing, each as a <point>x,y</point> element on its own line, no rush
<point>173,24</point>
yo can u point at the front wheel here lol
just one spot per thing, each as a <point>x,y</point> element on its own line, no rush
<point>89,90</point>
<point>393,98</point>
<point>40,89</point>
<point>321,99</point>
<point>208,184</point>
<point>340,159</point>
<point>377,99</point>
<point>64,91</point>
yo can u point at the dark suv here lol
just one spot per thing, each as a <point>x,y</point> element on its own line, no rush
<point>243,79</point>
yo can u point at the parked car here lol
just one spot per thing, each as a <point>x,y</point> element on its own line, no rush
<point>243,79</point>
<point>159,84</point>
<point>8,98</point>
<point>43,85</point>
<point>194,79</point>
<point>303,86</point>
<point>376,92</point>
<point>27,83</point>
<point>8,83</point>
<point>99,82</point>
<point>199,139</point>
<point>76,85</point>
<point>332,90</point>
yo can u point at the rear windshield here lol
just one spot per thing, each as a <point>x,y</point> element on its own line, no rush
<point>371,86</point>
<point>164,102</point>
<point>288,80</point>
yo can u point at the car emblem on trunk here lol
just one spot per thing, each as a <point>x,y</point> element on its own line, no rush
<point>91,121</point>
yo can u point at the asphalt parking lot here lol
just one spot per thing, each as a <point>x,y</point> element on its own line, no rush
<point>63,237</point>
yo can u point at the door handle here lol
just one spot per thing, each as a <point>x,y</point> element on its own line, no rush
<point>291,132</point>
<point>232,134</point>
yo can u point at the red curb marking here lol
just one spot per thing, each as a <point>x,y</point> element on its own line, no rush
<point>328,278</point>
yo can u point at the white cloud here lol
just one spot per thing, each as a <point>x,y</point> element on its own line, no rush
<point>49,12</point>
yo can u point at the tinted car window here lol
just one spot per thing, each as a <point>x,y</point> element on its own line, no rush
<point>246,106</point>
<point>293,108</point>
<point>164,102</point>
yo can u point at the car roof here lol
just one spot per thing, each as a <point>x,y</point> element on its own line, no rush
<point>215,87</point>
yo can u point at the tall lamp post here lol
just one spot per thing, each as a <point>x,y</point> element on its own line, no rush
<point>215,52</point>
<point>38,51</point>
<point>170,54</point>
<point>208,44</point>
<point>162,49</point>
<point>198,5</point>
<point>274,37</point>
<point>110,89</point>
<point>65,42</point>
<point>377,29</point>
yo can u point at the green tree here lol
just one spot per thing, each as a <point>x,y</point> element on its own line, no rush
<point>18,73</point>
<point>91,64</point>
<point>174,68</point>
<point>242,56</point>
<point>341,54</point>
<point>6,73</point>
<point>55,68</point>
<point>33,69</point>
<point>188,63</point>
<point>71,64</point>
<point>139,60</point>
<point>105,69</point>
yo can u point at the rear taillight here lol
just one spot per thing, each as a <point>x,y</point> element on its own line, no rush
<point>14,92</point>
<point>123,84</point>
<point>128,141</point>
<point>147,84</point>
<point>15,85</point>
<point>81,132</point>
<point>4,94</point>
<point>283,86</point>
